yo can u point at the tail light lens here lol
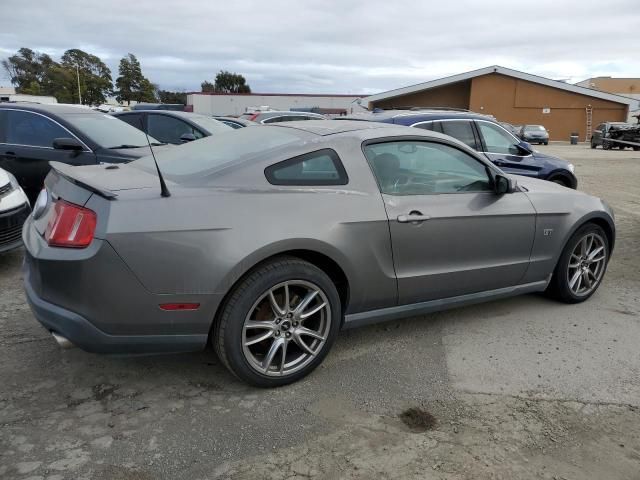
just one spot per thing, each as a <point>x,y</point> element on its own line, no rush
<point>253,117</point>
<point>70,226</point>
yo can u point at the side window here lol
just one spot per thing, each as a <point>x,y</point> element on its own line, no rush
<point>425,168</point>
<point>3,125</point>
<point>460,130</point>
<point>425,126</point>
<point>317,168</point>
<point>133,119</point>
<point>168,129</point>
<point>231,124</point>
<point>497,140</point>
<point>26,128</point>
<point>273,120</point>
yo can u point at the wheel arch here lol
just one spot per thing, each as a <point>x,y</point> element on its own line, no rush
<point>322,255</point>
<point>565,175</point>
<point>600,219</point>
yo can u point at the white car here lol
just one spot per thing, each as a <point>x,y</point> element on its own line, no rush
<point>14,210</point>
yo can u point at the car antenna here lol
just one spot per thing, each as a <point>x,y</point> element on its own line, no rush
<point>164,191</point>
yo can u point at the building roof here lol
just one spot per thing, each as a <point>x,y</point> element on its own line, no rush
<point>502,71</point>
<point>355,95</point>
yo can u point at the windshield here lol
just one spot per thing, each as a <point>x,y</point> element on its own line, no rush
<point>535,128</point>
<point>204,157</point>
<point>212,125</point>
<point>108,131</point>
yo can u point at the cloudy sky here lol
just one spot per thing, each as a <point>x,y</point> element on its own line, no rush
<point>333,46</point>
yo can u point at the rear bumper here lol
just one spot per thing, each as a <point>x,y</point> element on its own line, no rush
<point>82,333</point>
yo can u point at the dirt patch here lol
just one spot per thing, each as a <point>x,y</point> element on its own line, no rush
<point>418,419</point>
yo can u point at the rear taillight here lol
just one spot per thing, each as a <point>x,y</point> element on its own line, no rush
<point>253,117</point>
<point>70,226</point>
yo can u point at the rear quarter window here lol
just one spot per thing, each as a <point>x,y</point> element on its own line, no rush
<point>322,167</point>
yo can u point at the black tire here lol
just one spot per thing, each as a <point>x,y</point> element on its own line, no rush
<point>227,331</point>
<point>559,286</point>
<point>635,149</point>
<point>621,147</point>
<point>593,145</point>
<point>560,181</point>
<point>606,145</point>
<point>546,143</point>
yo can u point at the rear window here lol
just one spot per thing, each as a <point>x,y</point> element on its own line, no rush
<point>213,154</point>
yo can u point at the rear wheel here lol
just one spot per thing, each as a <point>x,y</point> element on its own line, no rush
<point>606,145</point>
<point>635,149</point>
<point>593,145</point>
<point>581,266</point>
<point>279,323</point>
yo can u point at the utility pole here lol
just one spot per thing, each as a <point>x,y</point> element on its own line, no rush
<point>78,76</point>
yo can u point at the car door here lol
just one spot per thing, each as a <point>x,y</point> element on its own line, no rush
<point>27,148</point>
<point>451,233</point>
<point>503,150</point>
<point>169,129</point>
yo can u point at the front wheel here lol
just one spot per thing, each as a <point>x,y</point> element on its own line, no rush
<point>581,266</point>
<point>606,145</point>
<point>593,145</point>
<point>279,323</point>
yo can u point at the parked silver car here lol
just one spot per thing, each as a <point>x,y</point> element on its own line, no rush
<point>275,238</point>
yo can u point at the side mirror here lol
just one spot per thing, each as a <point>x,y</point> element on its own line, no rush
<point>187,137</point>
<point>503,185</point>
<point>525,147</point>
<point>67,144</point>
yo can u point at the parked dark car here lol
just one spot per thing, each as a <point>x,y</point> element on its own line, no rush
<point>32,135</point>
<point>173,127</point>
<point>534,134</point>
<point>603,131</point>
<point>236,122</point>
<point>178,107</point>
<point>485,135</point>
<point>284,116</point>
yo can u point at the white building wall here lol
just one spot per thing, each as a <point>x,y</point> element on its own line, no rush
<point>238,104</point>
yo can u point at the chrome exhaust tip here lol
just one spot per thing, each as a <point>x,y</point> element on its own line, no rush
<point>63,342</point>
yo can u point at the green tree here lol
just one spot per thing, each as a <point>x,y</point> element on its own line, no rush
<point>28,69</point>
<point>95,76</point>
<point>131,84</point>
<point>227,82</point>
<point>207,87</point>
<point>167,96</point>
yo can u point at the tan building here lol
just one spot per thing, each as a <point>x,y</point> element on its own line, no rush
<point>515,97</point>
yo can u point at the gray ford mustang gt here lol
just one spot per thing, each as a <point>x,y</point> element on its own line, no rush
<point>275,238</point>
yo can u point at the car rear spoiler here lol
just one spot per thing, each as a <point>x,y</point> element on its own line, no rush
<point>69,173</point>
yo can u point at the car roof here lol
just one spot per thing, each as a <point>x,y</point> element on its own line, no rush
<point>426,114</point>
<point>330,127</point>
<point>172,113</point>
<point>51,108</point>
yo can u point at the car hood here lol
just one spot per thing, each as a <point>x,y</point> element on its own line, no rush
<point>557,162</point>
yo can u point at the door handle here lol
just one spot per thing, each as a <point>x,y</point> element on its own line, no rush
<point>413,217</point>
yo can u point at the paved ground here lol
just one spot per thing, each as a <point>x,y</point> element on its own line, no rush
<point>523,388</point>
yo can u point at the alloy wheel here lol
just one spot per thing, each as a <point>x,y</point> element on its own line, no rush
<point>286,328</point>
<point>587,264</point>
